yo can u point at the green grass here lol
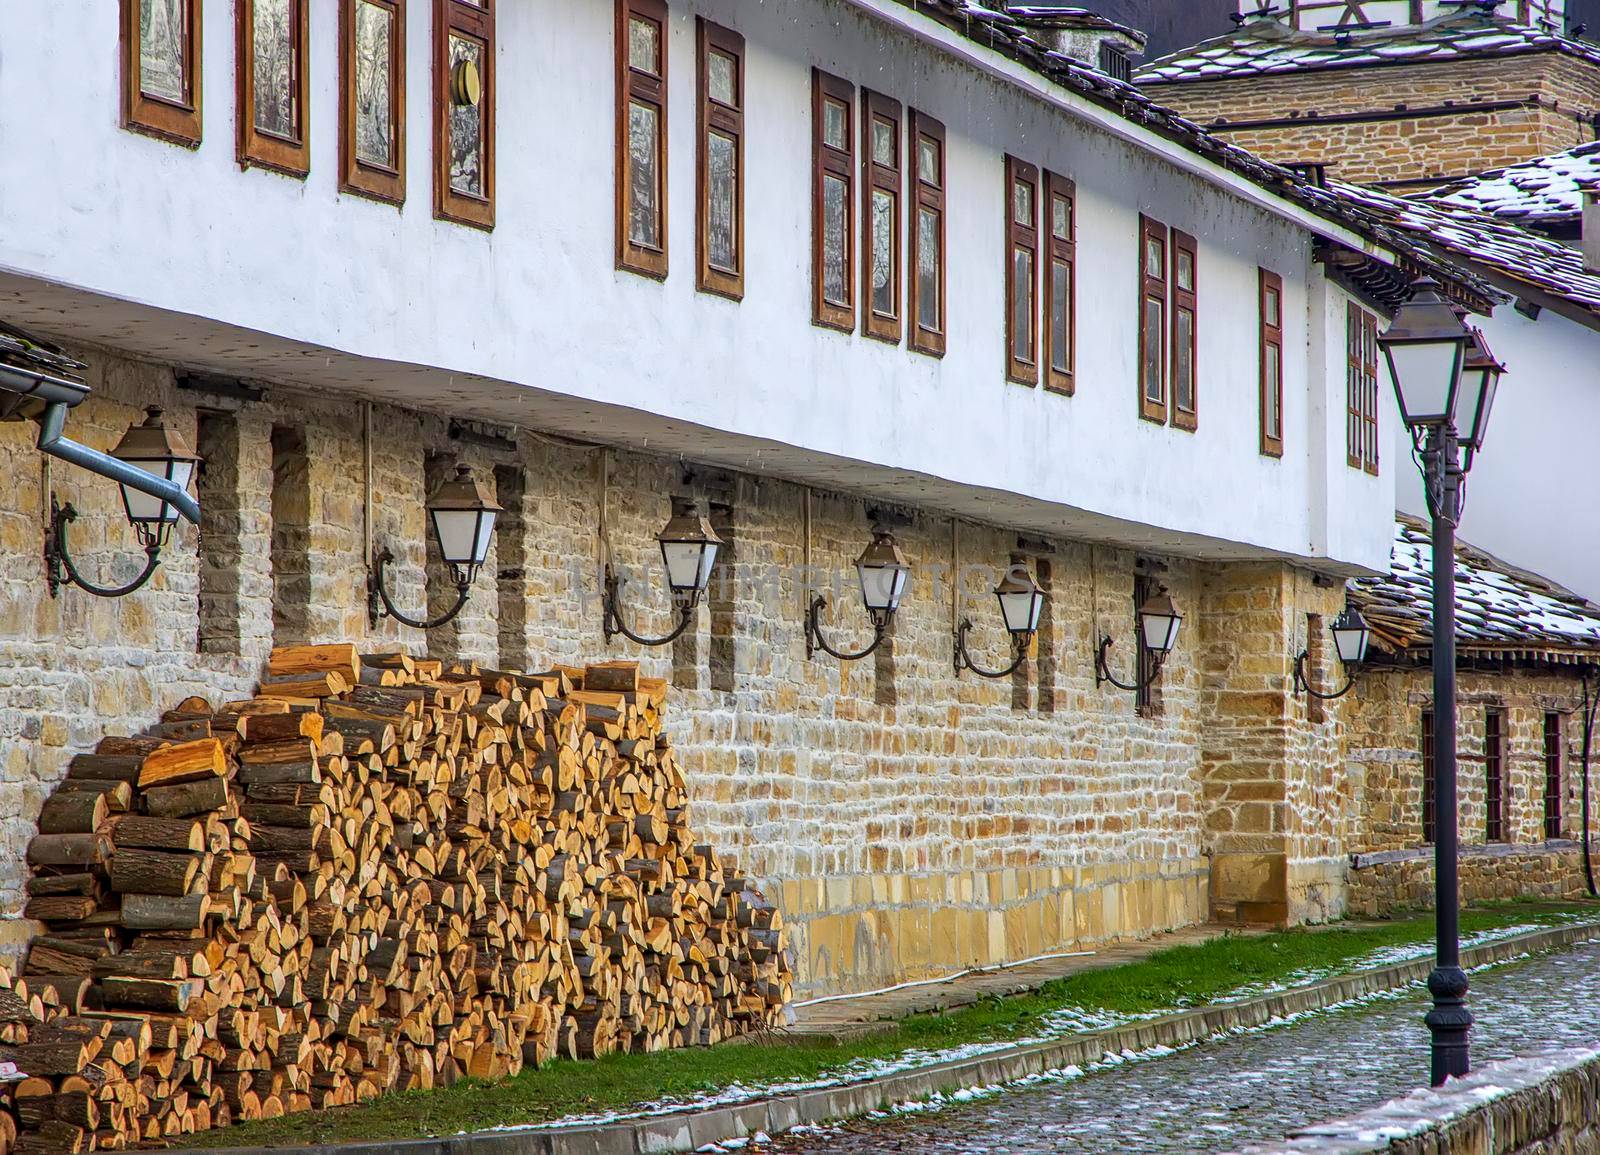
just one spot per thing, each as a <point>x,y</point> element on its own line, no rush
<point>1179,976</point>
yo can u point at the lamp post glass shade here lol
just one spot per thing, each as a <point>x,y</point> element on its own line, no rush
<point>1424,347</point>
<point>1351,634</point>
<point>1021,601</point>
<point>1480,377</point>
<point>463,516</point>
<point>688,550</point>
<point>1159,620</point>
<point>157,449</point>
<point>883,570</point>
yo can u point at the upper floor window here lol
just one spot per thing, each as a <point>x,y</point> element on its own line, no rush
<point>272,85</point>
<point>1022,264</point>
<point>1152,319</point>
<point>1185,404</point>
<point>641,164</point>
<point>1168,312</point>
<point>720,168</point>
<point>1271,368</point>
<point>880,214</point>
<point>372,63</point>
<point>1361,388</point>
<point>1115,62</point>
<point>927,235</point>
<point>161,68</point>
<point>833,241</point>
<point>1060,282</point>
<point>463,111</point>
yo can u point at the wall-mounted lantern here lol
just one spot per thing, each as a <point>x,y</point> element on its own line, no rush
<point>1159,620</point>
<point>1351,635</point>
<point>1021,601</point>
<point>882,570</point>
<point>155,449</point>
<point>688,550</point>
<point>462,514</point>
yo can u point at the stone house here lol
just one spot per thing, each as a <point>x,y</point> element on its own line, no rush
<point>1528,653</point>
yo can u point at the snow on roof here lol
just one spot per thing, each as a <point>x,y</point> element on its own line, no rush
<point>1266,47</point>
<point>1499,609</point>
<point>1546,190</point>
<point>1071,16</point>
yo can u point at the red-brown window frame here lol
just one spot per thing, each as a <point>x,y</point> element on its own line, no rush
<point>288,155</point>
<point>1369,358</point>
<point>1022,237</point>
<point>475,23</point>
<point>179,123</point>
<point>714,116</point>
<point>1494,774</point>
<point>876,178</point>
<point>355,175</point>
<point>839,163</point>
<point>1153,288</point>
<point>1361,389</point>
<point>1184,300</point>
<point>1062,251</point>
<point>931,197</point>
<point>1554,742</point>
<point>1270,396</point>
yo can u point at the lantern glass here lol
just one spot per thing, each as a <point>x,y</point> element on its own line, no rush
<point>1424,347</point>
<point>882,584</point>
<point>1480,377</point>
<point>688,549</point>
<point>463,535</point>
<point>1159,620</point>
<point>145,508</point>
<point>159,450</point>
<point>1351,635</point>
<point>1021,600</point>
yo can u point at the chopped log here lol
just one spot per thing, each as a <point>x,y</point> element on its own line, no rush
<point>135,871</point>
<point>163,912</point>
<point>68,849</point>
<point>72,813</point>
<point>135,830</point>
<point>200,797</point>
<point>183,763</point>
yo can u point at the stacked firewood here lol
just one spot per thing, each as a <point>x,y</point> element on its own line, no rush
<point>376,874</point>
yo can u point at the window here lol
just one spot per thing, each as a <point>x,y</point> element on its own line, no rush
<point>1060,282</point>
<point>719,168</point>
<point>1185,404</point>
<point>272,86</point>
<point>1552,775</point>
<point>927,236</point>
<point>880,216</point>
<point>161,69</point>
<point>1494,795</point>
<point>1152,320</point>
<point>1429,781</point>
<point>1022,275</point>
<point>1361,388</point>
<point>1115,63</point>
<point>463,112</point>
<point>641,166</point>
<point>372,119</point>
<point>1271,364</point>
<point>833,238</point>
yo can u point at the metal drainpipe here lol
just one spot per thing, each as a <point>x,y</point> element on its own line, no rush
<point>1588,735</point>
<point>54,419</point>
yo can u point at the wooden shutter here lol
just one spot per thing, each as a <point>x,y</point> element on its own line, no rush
<point>1152,320</point>
<point>1022,271</point>
<point>720,247</point>
<point>1183,275</point>
<point>881,193</point>
<point>641,173</point>
<point>928,249</point>
<point>1060,283</point>
<point>1271,368</point>
<point>833,103</point>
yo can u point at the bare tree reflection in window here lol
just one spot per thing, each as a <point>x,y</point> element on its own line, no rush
<point>163,43</point>
<point>374,96</point>
<point>466,126</point>
<point>272,47</point>
<point>644,219</point>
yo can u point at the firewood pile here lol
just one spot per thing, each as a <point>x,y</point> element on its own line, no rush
<point>374,875</point>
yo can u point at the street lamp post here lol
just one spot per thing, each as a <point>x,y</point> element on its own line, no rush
<point>1439,368</point>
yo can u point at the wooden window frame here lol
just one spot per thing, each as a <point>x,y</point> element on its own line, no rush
<point>1494,774</point>
<point>651,90</point>
<point>178,123</point>
<point>254,148</point>
<point>1369,377</point>
<point>467,20</point>
<point>355,175</point>
<point>1271,338</point>
<point>1022,238</point>
<point>930,197</point>
<point>877,178</point>
<point>1153,288</point>
<point>840,164</point>
<point>725,121</point>
<point>1361,389</point>
<point>1063,252</point>
<point>1430,781</point>
<point>1184,300</point>
<point>1554,779</point>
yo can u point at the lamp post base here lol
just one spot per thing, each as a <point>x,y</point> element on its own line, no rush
<point>1450,1023</point>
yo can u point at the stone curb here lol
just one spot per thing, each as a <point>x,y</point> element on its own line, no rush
<point>687,1130</point>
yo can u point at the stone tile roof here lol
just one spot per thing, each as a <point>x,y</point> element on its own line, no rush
<point>1547,190</point>
<point>1267,48</point>
<point>1502,611</point>
<point>27,352</point>
<point>1071,16</point>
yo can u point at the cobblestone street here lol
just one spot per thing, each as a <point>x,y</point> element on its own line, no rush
<point>1253,1087</point>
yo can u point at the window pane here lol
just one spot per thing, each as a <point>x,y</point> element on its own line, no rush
<point>1183,386</point>
<point>466,125</point>
<point>834,115</point>
<point>1061,218</point>
<point>928,269</point>
<point>163,49</point>
<point>724,178</point>
<point>1155,258</point>
<point>835,241</point>
<point>928,161</point>
<point>883,142</point>
<point>1022,203</point>
<point>883,274</point>
<point>1154,325</point>
<point>272,47</point>
<point>1022,305</point>
<point>644,46</point>
<point>644,221</point>
<point>724,79</point>
<point>1274,393</point>
<point>1185,271</point>
<point>1272,309</point>
<point>374,74</point>
<point>1060,316</point>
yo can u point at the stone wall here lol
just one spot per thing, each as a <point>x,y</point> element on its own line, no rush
<point>1553,97</point>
